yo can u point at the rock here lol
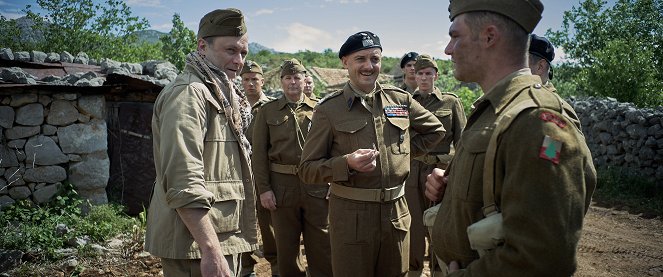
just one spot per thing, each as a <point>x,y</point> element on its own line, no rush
<point>62,113</point>
<point>61,229</point>
<point>134,68</point>
<point>20,192</point>
<point>48,174</point>
<point>66,57</point>
<point>6,54</point>
<point>18,132</point>
<point>45,194</point>
<point>84,138</point>
<point>16,144</point>
<point>23,56</point>
<point>82,58</point>
<point>6,116</point>
<point>93,105</point>
<point>30,114</point>
<point>7,157</point>
<point>48,130</point>
<point>6,201</point>
<point>16,75</point>
<point>91,173</point>
<point>52,57</point>
<point>9,259</point>
<point>18,100</point>
<point>37,56</point>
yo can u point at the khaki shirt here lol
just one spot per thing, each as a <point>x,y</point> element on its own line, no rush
<point>449,110</point>
<point>543,195</point>
<point>199,164</point>
<point>276,139</point>
<point>342,124</point>
<point>254,112</point>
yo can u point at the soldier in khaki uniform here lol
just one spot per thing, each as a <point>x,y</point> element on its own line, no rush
<point>527,179</point>
<point>360,142</point>
<point>448,109</point>
<point>309,87</point>
<point>541,54</point>
<point>281,127</point>
<point>252,82</point>
<point>202,212</point>
<point>409,76</point>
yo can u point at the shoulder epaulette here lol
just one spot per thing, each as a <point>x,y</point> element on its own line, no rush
<point>392,87</point>
<point>329,96</point>
<point>450,93</point>
<point>268,101</point>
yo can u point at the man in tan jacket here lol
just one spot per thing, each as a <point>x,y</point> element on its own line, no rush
<point>515,195</point>
<point>202,213</point>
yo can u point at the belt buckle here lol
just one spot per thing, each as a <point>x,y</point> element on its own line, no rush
<point>382,194</point>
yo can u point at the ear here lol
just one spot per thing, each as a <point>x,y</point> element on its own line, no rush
<point>202,44</point>
<point>490,35</point>
<point>344,61</point>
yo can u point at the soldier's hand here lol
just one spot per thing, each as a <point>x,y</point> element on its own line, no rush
<point>436,183</point>
<point>363,160</point>
<point>268,200</point>
<point>453,266</point>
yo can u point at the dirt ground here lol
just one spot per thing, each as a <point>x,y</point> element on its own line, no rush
<point>614,243</point>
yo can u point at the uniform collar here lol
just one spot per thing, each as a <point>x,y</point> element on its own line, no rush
<point>282,102</point>
<point>349,94</point>
<point>436,93</point>
<point>508,88</point>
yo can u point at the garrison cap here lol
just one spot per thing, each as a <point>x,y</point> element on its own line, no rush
<point>292,67</point>
<point>425,61</point>
<point>541,46</point>
<point>251,67</point>
<point>359,41</point>
<point>227,22</point>
<point>410,56</point>
<point>527,13</point>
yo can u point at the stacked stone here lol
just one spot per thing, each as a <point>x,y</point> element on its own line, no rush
<point>158,72</point>
<point>621,135</point>
<point>46,139</point>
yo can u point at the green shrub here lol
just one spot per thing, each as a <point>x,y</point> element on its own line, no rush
<point>621,188</point>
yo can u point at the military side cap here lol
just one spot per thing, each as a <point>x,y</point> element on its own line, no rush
<point>292,67</point>
<point>527,13</point>
<point>228,22</point>
<point>251,67</point>
<point>541,46</point>
<point>425,61</point>
<point>411,56</point>
<point>359,41</point>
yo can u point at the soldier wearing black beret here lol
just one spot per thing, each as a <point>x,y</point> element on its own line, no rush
<point>515,195</point>
<point>360,143</point>
<point>407,66</point>
<point>541,54</point>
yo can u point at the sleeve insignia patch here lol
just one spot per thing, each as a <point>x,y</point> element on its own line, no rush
<point>550,149</point>
<point>396,111</point>
<point>551,117</point>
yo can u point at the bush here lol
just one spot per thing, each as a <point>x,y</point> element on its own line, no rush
<point>620,187</point>
<point>31,228</point>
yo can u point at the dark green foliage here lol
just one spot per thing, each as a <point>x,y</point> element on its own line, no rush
<point>621,188</point>
<point>613,51</point>
<point>178,43</point>
<point>31,228</point>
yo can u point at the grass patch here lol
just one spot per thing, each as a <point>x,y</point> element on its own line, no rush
<point>621,189</point>
<point>33,229</point>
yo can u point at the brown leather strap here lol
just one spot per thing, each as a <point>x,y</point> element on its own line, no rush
<point>283,168</point>
<point>368,195</point>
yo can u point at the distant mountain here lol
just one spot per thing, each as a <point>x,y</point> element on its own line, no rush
<point>151,36</point>
<point>255,47</point>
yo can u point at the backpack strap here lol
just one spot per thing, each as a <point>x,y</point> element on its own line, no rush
<point>502,123</point>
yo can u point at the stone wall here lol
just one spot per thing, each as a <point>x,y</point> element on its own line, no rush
<point>47,138</point>
<point>623,136</point>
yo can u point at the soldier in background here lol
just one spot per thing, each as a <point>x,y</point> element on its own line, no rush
<point>407,66</point>
<point>360,142</point>
<point>541,54</point>
<point>309,87</point>
<point>298,209</point>
<point>449,110</point>
<point>252,82</point>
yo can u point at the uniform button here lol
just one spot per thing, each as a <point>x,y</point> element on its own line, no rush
<point>246,180</point>
<point>537,86</point>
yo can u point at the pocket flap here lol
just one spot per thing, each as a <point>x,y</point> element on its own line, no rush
<point>476,141</point>
<point>277,120</point>
<point>351,126</point>
<point>399,122</point>
<point>442,113</point>
<point>226,190</point>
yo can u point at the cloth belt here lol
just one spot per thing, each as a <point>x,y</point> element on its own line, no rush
<point>283,168</point>
<point>428,159</point>
<point>368,195</point>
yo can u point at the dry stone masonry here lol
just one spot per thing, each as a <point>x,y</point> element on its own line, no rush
<point>623,136</point>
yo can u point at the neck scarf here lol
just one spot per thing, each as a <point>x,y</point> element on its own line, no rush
<point>235,106</point>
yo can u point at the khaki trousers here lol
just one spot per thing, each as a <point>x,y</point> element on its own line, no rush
<point>191,268</point>
<point>268,244</point>
<point>369,238</point>
<point>417,203</point>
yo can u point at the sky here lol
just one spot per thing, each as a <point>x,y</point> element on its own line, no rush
<point>295,25</point>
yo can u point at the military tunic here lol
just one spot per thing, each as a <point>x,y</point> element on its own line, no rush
<point>543,195</point>
<point>449,110</point>
<point>263,215</point>
<point>278,138</point>
<point>368,238</point>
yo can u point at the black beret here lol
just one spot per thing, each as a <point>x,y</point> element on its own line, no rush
<point>541,47</point>
<point>411,56</point>
<point>359,41</point>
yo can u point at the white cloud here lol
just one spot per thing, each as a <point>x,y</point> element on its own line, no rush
<point>264,11</point>
<point>304,37</point>
<point>144,3</point>
<point>10,15</point>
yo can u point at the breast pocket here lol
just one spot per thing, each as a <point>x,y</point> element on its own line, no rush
<point>348,133</point>
<point>444,115</point>
<point>473,143</point>
<point>398,137</point>
<point>228,200</point>
<point>278,127</point>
